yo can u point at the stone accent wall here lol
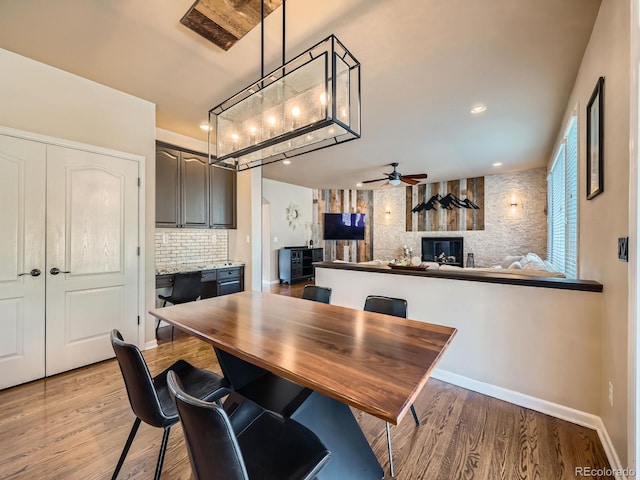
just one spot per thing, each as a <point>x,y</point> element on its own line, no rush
<point>190,245</point>
<point>508,230</point>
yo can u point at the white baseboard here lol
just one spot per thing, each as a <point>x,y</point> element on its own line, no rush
<point>543,406</point>
<point>150,345</point>
<point>270,282</point>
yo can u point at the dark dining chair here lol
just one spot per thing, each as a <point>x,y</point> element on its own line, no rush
<point>251,444</point>
<point>149,397</point>
<point>187,287</point>
<point>317,294</point>
<point>398,308</point>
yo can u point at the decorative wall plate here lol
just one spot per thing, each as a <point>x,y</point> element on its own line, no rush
<point>293,215</point>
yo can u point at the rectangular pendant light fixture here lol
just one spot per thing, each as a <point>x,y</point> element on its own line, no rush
<point>309,103</point>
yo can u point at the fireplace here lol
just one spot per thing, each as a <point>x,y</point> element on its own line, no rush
<point>444,250</point>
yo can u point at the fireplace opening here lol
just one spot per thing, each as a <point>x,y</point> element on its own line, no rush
<point>444,250</point>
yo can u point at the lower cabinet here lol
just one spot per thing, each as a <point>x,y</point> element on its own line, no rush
<point>296,263</point>
<point>230,280</point>
<point>215,282</point>
<point>209,284</point>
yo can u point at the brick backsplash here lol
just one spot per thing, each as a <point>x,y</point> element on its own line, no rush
<point>508,231</point>
<point>175,246</point>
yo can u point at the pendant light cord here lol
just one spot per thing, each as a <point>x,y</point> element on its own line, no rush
<point>284,30</point>
<point>284,23</point>
<point>262,39</point>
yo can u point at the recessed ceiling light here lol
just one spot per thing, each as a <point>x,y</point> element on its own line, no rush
<point>286,162</point>
<point>497,164</point>
<point>479,108</point>
<point>205,126</point>
<point>359,184</point>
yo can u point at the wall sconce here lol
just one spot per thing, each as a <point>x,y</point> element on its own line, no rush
<point>514,201</point>
<point>387,212</point>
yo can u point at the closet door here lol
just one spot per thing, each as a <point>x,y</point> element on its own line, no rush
<point>22,250</point>
<point>92,262</point>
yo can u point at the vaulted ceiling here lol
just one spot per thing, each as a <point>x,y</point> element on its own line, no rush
<point>424,65</point>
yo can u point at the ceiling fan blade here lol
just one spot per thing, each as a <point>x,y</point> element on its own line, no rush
<point>416,175</point>
<point>410,181</point>
<point>377,180</point>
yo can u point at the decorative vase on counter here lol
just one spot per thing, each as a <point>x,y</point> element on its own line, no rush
<point>471,263</point>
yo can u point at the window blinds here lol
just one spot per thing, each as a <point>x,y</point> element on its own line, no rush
<point>571,195</point>
<point>557,231</point>
<point>562,242</point>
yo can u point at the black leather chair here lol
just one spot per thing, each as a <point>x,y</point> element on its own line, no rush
<point>251,444</point>
<point>186,288</point>
<point>149,397</point>
<point>398,308</point>
<point>317,294</point>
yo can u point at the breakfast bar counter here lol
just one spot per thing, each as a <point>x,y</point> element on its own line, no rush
<point>536,340</point>
<point>505,277</point>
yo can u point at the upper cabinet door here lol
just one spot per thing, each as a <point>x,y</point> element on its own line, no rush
<point>167,187</point>
<point>222,197</point>
<point>195,191</point>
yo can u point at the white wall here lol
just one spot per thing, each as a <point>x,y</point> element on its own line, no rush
<point>633,428</point>
<point>280,196</point>
<point>245,242</point>
<point>38,98</point>
<point>606,217</point>
<point>536,341</point>
<point>507,231</point>
<point>183,141</point>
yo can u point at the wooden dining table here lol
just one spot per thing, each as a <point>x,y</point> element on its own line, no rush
<point>312,361</point>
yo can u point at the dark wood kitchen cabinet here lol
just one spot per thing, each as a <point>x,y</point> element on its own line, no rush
<point>222,197</point>
<point>192,194</point>
<point>296,263</point>
<point>194,182</point>
<point>168,199</point>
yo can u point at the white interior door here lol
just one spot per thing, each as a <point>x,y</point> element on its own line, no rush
<point>92,239</point>
<point>22,249</point>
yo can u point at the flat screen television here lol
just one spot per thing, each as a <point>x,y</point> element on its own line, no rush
<point>344,226</point>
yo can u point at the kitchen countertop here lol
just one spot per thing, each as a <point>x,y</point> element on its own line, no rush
<point>195,267</point>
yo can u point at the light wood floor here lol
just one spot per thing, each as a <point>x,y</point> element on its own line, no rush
<point>73,426</point>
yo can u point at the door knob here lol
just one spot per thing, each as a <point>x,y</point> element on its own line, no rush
<point>56,271</point>
<point>34,273</point>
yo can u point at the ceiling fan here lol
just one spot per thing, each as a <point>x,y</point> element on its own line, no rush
<point>396,177</point>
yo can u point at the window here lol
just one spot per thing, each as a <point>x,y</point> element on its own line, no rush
<point>562,186</point>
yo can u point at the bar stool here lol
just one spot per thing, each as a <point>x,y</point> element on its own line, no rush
<point>186,288</point>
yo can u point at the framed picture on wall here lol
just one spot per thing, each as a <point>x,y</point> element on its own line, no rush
<point>595,141</point>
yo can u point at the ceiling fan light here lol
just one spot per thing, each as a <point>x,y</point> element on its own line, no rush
<point>394,182</point>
